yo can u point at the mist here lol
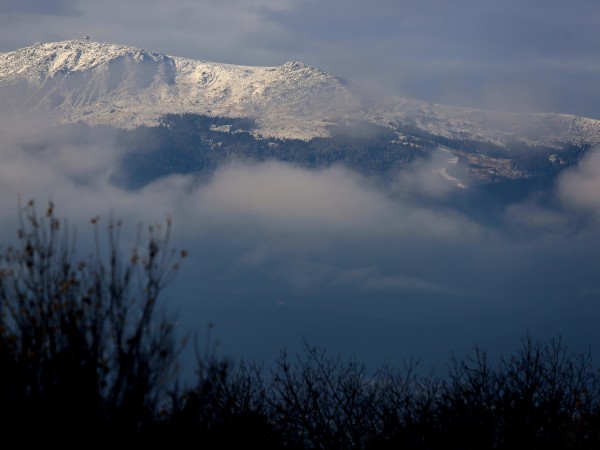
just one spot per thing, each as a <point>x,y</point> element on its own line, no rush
<point>279,254</point>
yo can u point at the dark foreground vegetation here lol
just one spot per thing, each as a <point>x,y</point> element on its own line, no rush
<point>85,350</point>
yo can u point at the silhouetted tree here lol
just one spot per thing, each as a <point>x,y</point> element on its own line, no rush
<point>83,345</point>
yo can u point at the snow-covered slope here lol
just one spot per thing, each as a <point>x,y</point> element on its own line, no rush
<point>547,129</point>
<point>127,86</point>
<point>120,85</point>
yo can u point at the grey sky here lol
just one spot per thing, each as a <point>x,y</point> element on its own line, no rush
<point>517,55</point>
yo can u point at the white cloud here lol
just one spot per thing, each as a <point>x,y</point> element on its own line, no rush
<point>435,177</point>
<point>332,200</point>
<point>579,188</point>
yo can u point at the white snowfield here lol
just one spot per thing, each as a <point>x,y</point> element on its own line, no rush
<point>101,83</point>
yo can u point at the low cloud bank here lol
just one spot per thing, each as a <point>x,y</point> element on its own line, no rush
<point>279,253</point>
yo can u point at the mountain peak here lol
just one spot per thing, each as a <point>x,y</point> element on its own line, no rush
<point>46,59</point>
<point>128,86</point>
<point>125,86</point>
<point>296,65</point>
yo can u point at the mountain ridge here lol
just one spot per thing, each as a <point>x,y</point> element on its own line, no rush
<point>134,86</point>
<point>125,86</point>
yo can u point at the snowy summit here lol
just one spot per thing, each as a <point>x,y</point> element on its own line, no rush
<point>102,83</point>
<point>116,84</point>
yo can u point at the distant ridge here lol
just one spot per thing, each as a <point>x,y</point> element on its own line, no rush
<point>103,83</point>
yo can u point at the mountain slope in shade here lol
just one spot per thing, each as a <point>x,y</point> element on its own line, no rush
<point>102,83</point>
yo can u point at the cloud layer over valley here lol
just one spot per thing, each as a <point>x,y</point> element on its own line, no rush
<point>280,253</point>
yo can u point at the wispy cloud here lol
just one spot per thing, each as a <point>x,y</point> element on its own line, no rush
<point>580,188</point>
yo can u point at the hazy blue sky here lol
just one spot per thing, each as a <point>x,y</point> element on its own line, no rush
<point>540,55</point>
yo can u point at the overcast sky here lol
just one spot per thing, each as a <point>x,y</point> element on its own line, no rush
<point>536,55</point>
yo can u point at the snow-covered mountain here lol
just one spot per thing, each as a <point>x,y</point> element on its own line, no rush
<point>123,86</point>
<point>126,86</point>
